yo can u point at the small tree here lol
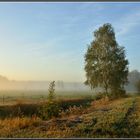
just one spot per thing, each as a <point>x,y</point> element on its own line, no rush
<point>51,90</point>
<point>51,108</point>
<point>138,86</point>
<point>105,62</point>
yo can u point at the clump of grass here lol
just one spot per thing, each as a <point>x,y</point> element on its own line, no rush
<point>75,110</point>
<point>23,109</point>
<point>10,125</point>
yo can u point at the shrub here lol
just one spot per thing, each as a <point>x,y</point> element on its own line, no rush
<point>23,109</point>
<point>49,110</point>
<point>117,94</point>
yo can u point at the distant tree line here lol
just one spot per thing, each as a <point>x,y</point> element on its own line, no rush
<point>134,78</point>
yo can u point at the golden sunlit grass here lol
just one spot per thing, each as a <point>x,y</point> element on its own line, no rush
<point>104,118</point>
<point>9,125</point>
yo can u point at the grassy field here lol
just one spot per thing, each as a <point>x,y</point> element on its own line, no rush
<point>81,117</point>
<point>12,97</point>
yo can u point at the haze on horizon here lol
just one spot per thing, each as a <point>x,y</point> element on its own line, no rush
<point>47,41</point>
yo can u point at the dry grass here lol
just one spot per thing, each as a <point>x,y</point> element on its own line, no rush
<point>103,118</point>
<point>7,126</point>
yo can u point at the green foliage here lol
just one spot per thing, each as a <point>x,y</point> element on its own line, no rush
<point>51,90</point>
<point>54,108</point>
<point>117,94</point>
<point>49,110</point>
<point>105,62</point>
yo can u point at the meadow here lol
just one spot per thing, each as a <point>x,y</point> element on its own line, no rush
<point>10,97</point>
<point>82,115</point>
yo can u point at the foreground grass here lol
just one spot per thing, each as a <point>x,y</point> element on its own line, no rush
<point>118,118</point>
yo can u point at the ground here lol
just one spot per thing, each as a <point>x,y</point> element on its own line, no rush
<point>102,119</point>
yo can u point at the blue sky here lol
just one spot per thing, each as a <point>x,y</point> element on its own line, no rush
<point>47,41</point>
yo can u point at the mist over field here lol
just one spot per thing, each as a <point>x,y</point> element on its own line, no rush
<point>69,70</point>
<point>6,84</point>
<point>42,85</point>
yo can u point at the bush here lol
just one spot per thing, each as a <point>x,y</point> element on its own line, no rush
<point>117,94</point>
<point>49,110</point>
<point>22,109</point>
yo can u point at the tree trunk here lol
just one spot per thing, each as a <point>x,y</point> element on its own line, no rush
<point>106,92</point>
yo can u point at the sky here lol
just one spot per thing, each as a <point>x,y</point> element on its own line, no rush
<point>48,40</point>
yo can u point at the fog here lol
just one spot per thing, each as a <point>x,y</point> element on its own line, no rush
<point>6,84</point>
<point>42,85</point>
